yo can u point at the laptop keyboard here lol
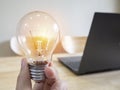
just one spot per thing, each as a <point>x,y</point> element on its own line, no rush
<point>71,62</point>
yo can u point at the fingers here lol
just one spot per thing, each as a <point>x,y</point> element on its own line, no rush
<point>23,80</point>
<point>53,82</point>
<point>51,77</point>
<point>38,86</point>
<point>49,72</point>
<point>59,85</point>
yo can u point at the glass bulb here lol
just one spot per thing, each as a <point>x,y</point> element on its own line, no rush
<point>38,35</point>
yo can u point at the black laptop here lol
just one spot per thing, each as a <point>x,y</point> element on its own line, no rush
<point>102,50</point>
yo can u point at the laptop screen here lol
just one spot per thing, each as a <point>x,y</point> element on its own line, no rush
<point>102,51</point>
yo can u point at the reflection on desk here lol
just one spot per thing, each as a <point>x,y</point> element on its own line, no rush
<point>10,66</point>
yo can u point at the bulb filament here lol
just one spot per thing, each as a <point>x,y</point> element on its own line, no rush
<point>39,50</point>
<point>40,44</point>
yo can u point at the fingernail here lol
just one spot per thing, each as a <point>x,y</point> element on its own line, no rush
<point>50,64</point>
<point>49,72</point>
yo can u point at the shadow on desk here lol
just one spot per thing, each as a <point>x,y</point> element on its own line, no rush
<point>5,50</point>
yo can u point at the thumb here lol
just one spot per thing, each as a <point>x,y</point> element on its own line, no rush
<point>51,77</point>
<point>53,82</point>
<point>51,73</point>
<point>23,80</point>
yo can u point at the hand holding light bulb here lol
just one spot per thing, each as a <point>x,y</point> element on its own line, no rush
<point>38,35</point>
<point>52,81</point>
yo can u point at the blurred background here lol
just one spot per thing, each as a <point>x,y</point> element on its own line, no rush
<point>73,16</point>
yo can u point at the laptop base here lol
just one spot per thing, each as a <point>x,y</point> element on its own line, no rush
<point>72,62</point>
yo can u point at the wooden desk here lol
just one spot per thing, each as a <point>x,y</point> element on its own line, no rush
<point>9,69</point>
<point>10,66</point>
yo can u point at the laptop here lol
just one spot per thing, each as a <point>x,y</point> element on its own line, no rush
<point>102,50</point>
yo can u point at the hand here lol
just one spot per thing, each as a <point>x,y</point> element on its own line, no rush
<point>52,81</point>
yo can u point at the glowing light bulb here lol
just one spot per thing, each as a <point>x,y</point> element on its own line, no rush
<point>38,35</point>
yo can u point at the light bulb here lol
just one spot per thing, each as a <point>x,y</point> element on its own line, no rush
<point>38,35</point>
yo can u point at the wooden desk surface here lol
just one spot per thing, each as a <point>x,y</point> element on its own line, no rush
<point>9,69</point>
<point>10,66</point>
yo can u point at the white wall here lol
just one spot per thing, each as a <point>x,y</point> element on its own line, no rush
<point>74,16</point>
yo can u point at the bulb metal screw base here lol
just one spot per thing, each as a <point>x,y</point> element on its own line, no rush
<point>37,72</point>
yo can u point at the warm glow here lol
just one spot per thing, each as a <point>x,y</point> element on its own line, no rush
<point>37,44</point>
<point>38,35</point>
